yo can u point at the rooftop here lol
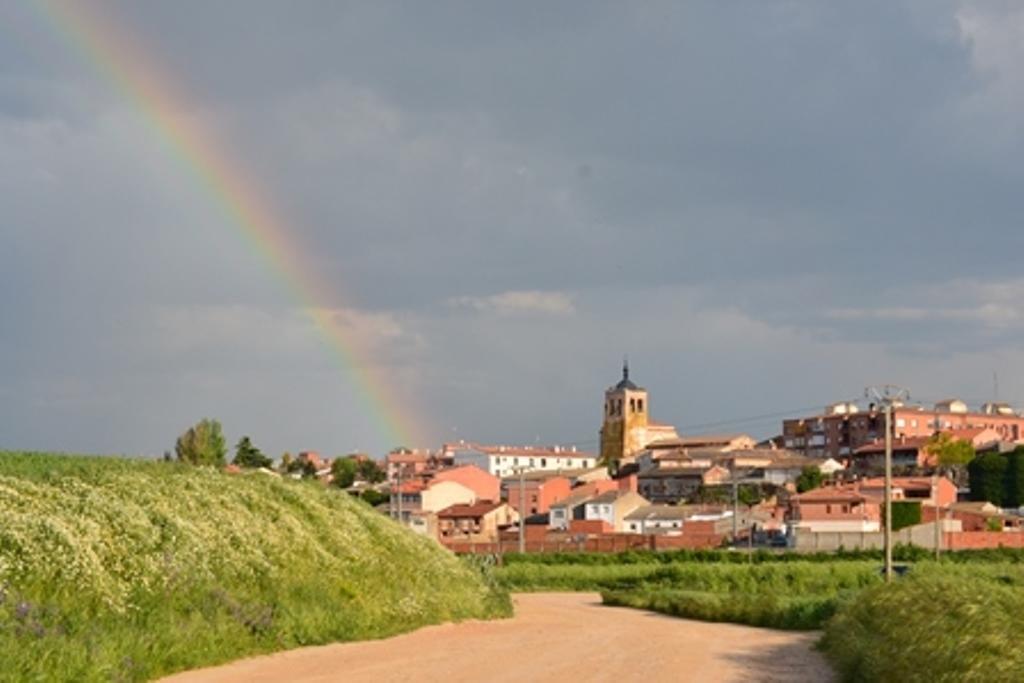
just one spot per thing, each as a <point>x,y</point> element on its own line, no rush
<point>478,509</point>
<point>659,512</point>
<point>625,382</point>
<point>828,494</point>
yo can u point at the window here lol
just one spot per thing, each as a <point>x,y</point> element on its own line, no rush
<point>543,462</point>
<point>828,509</point>
<point>632,405</point>
<point>640,405</point>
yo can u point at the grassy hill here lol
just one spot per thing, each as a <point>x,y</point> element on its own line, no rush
<point>114,569</point>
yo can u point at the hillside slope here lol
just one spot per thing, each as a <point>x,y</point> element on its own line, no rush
<point>113,569</point>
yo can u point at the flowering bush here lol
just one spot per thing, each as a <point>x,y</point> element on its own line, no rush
<point>111,568</point>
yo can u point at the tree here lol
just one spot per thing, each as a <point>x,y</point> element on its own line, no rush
<point>374,498</point>
<point>286,462</point>
<point>905,513</point>
<point>987,476</point>
<point>247,455</point>
<point>202,444</point>
<point>809,479</point>
<point>369,471</point>
<point>1014,479</point>
<point>344,472</point>
<point>951,453</point>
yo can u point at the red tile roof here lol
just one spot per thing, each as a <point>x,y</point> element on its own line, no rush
<point>478,509</point>
<point>829,494</point>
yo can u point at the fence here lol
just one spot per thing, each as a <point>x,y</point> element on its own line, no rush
<point>921,535</point>
<point>606,543</point>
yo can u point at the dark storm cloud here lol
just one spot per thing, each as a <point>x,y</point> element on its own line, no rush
<point>508,196</point>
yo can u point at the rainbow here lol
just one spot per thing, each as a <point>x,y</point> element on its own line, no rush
<point>162,104</point>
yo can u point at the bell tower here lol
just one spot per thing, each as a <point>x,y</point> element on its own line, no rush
<point>624,429</point>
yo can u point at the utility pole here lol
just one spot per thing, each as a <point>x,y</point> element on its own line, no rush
<point>522,510</point>
<point>888,395</point>
<point>935,501</point>
<point>736,481</point>
<point>400,468</point>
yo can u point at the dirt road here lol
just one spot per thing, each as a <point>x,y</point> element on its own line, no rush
<point>559,637</point>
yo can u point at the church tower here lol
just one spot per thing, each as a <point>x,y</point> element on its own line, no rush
<point>624,431</point>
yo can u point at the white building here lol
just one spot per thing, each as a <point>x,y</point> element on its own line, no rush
<point>506,461</point>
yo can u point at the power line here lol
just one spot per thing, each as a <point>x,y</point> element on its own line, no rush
<point>718,423</point>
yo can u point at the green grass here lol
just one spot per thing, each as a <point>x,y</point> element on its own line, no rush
<point>800,594</point>
<point>930,627</point>
<point>115,569</point>
<point>769,610</point>
<point>783,578</point>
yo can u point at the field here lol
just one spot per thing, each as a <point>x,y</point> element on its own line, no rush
<point>115,569</point>
<point>951,620</point>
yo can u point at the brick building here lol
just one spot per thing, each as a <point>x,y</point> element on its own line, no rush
<point>844,427</point>
<point>539,491</point>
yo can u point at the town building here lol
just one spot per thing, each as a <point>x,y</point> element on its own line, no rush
<point>722,443</point>
<point>486,486</point>
<point>418,498</point>
<point>656,519</point>
<point>673,484</point>
<point>535,492</point>
<point>505,461</point>
<point>478,522</point>
<point>403,464</point>
<point>562,513</point>
<point>612,507</point>
<point>843,428</point>
<point>857,507</point>
<point>911,452</point>
<point>626,429</point>
<point>832,508</point>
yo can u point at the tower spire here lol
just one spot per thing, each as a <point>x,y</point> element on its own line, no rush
<point>625,367</point>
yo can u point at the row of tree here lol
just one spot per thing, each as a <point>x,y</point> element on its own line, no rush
<point>204,444</point>
<point>998,478</point>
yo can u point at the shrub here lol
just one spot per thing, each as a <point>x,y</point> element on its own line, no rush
<point>119,569</point>
<point>760,609</point>
<point>929,628</point>
<point>905,513</point>
<point>987,475</point>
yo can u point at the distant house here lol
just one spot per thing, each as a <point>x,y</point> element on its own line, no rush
<point>832,508</point>
<point>419,498</point>
<point>909,452</point>
<point>984,516</point>
<point>479,522</point>
<point>538,491</point>
<point>941,491</point>
<point>672,484</point>
<point>612,508</point>
<point>655,519</point>
<point>405,464</point>
<point>857,507</point>
<point>784,469</point>
<point>485,485</point>
<point>505,461</point>
<point>562,513</point>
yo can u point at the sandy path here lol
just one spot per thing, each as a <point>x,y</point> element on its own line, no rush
<point>559,637</point>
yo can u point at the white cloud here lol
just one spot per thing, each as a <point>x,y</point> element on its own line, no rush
<point>522,302</point>
<point>996,304</point>
<point>994,34</point>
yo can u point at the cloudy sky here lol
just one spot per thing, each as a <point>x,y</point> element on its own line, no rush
<point>768,206</point>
